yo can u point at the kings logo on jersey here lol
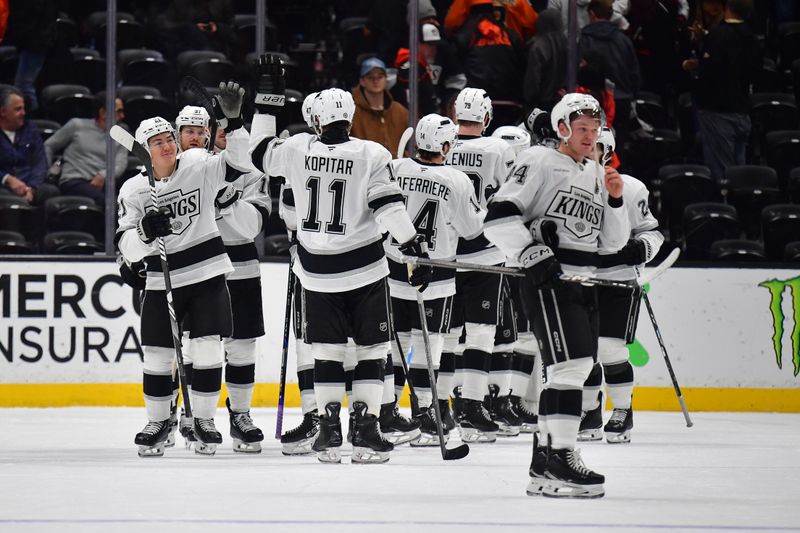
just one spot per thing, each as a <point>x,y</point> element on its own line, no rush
<point>183,208</point>
<point>579,211</point>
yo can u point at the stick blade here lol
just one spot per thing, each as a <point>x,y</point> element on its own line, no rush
<point>120,135</point>
<point>454,454</point>
<point>404,138</point>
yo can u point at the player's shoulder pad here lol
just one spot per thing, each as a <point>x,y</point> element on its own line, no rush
<point>633,187</point>
<point>193,156</point>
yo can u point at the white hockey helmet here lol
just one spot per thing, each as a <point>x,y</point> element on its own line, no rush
<point>150,128</point>
<point>474,105</point>
<point>332,105</point>
<point>568,109</point>
<point>192,115</point>
<point>607,145</point>
<point>307,103</point>
<point>518,138</point>
<point>434,131</point>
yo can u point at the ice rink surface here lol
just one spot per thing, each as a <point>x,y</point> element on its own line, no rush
<point>76,469</point>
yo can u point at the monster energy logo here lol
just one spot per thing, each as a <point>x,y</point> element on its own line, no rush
<point>776,289</point>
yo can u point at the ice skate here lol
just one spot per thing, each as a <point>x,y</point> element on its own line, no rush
<point>152,439</point>
<point>173,426</point>
<point>298,441</point>
<point>591,427</point>
<point>618,428</point>
<point>429,436</point>
<point>448,422</point>
<point>369,446</point>
<point>396,428</point>
<point>245,435</point>
<point>568,477</point>
<point>457,403</point>
<point>328,444</point>
<point>538,479</point>
<point>502,413</point>
<point>529,420</point>
<point>185,426</point>
<point>207,436</point>
<point>476,425</point>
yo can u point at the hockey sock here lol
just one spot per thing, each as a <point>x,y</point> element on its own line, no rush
<point>535,385</point>
<point>305,376</point>
<point>206,383</point>
<point>521,369</point>
<point>563,400</point>
<point>619,378</point>
<point>591,388</point>
<point>240,381</point>
<point>329,378</point>
<point>388,382</point>
<point>157,382</point>
<point>444,381</point>
<point>476,374</point>
<point>368,384</point>
<point>500,372</point>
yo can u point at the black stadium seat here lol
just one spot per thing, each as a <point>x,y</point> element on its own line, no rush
<point>13,242</point>
<point>706,222</point>
<point>17,215</point>
<point>61,102</point>
<point>74,213</point>
<point>791,252</point>
<point>678,186</point>
<point>794,185</point>
<point>750,189</point>
<point>46,127</point>
<point>738,250</point>
<point>782,152</point>
<point>780,226</point>
<point>71,243</point>
<point>144,107</point>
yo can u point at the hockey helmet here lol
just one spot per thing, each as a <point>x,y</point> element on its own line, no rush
<point>518,138</point>
<point>332,105</point>
<point>150,128</point>
<point>307,103</point>
<point>474,105</point>
<point>570,107</point>
<point>192,115</point>
<point>607,145</point>
<point>434,131</point>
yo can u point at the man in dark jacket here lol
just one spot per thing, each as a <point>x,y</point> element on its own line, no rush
<point>547,62</point>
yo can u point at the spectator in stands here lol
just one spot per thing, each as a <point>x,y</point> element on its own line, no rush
<point>729,62</point>
<point>605,37</point>
<point>82,141</point>
<point>378,117</point>
<point>32,29</point>
<point>388,24</point>
<point>493,56</point>
<point>519,15</point>
<point>23,163</point>
<point>198,25</point>
<point>619,10</point>
<point>593,79</point>
<point>547,62</point>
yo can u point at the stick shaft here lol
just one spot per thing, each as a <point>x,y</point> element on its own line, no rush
<point>431,374</point>
<point>284,353</point>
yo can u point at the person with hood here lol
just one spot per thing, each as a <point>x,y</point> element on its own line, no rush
<point>519,15</point>
<point>377,117</point>
<point>547,62</point>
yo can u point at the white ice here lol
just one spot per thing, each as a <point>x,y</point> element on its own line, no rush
<point>76,469</point>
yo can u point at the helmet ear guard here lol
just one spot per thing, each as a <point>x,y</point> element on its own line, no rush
<point>307,103</point>
<point>607,145</point>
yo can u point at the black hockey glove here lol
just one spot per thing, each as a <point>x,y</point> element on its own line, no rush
<point>133,275</point>
<point>542,269</point>
<point>227,196</point>
<point>419,276</point>
<point>545,232</point>
<point>270,85</point>
<point>228,106</point>
<point>634,253</point>
<point>155,223</point>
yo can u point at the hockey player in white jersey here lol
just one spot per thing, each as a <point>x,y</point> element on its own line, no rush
<point>619,312</point>
<point>187,188</point>
<point>569,189</point>
<point>486,162</point>
<point>341,190</point>
<point>442,205</point>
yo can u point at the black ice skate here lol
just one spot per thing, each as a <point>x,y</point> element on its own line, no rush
<point>152,439</point>
<point>246,435</point>
<point>429,436</point>
<point>591,427</point>
<point>538,479</point>
<point>328,444</point>
<point>396,428</point>
<point>502,414</point>
<point>173,426</point>
<point>369,446</point>
<point>529,420</point>
<point>207,436</point>
<point>568,477</point>
<point>351,421</point>
<point>618,428</point>
<point>476,425</point>
<point>448,422</point>
<point>458,402</point>
<point>298,441</point>
<point>186,424</point>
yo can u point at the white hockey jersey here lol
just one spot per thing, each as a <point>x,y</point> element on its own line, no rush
<point>442,206</point>
<point>644,226</point>
<point>486,161</point>
<point>544,183</point>
<point>339,194</point>
<point>195,251</point>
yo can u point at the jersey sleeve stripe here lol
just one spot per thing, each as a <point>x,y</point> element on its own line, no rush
<point>469,246</point>
<point>340,263</point>
<point>378,203</point>
<point>498,211</point>
<point>240,253</point>
<point>288,198</point>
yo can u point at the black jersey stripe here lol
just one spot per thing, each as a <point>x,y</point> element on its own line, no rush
<point>240,253</point>
<point>232,174</point>
<point>377,203</point>
<point>191,256</point>
<point>503,209</point>
<point>288,197</point>
<point>338,263</point>
<point>470,246</point>
<point>578,258</point>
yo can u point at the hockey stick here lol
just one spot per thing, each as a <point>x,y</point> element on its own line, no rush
<point>143,155</point>
<point>198,90</point>
<point>404,138</point>
<point>652,273</point>
<point>285,353</point>
<point>568,278</point>
<point>412,394</point>
<point>450,454</point>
